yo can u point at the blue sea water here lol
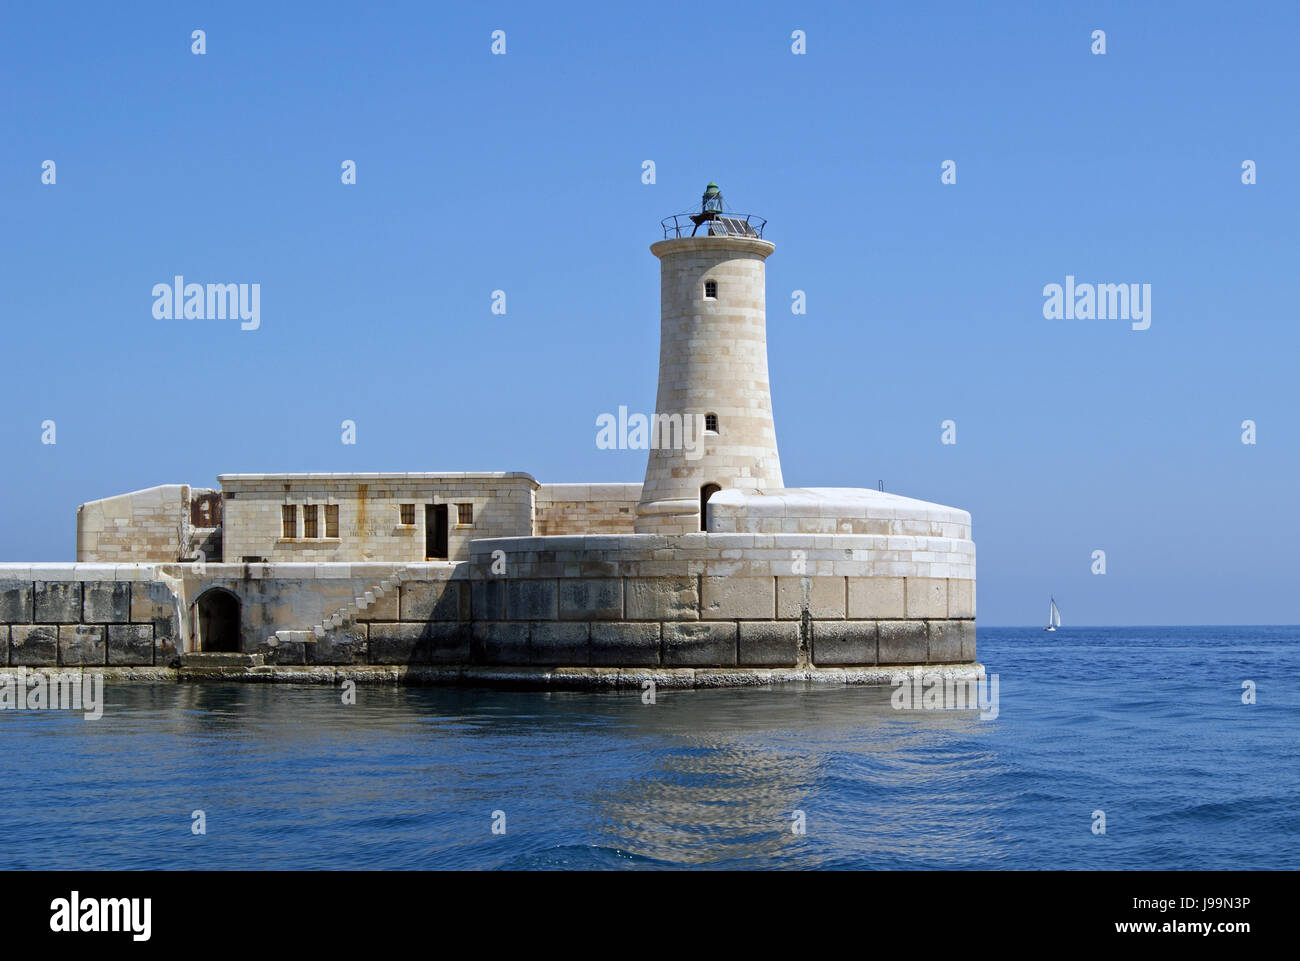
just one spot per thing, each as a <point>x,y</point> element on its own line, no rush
<point>1145,724</point>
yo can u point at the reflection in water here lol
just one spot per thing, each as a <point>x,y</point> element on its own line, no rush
<point>708,802</point>
<point>725,787</point>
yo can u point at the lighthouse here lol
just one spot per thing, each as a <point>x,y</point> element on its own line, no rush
<point>710,573</point>
<point>712,367</point>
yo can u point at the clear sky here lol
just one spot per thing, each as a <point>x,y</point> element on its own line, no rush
<point>523,172</point>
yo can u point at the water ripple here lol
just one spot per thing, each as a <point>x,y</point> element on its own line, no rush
<point>1144,724</point>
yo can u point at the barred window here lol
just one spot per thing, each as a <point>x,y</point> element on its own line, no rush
<point>331,520</point>
<point>465,514</point>
<point>711,422</point>
<point>289,520</point>
<point>309,521</point>
<point>408,514</point>
<point>710,290</point>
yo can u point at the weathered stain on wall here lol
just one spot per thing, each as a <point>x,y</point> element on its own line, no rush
<point>364,532</point>
<point>205,507</point>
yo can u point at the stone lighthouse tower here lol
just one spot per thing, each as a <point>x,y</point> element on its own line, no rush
<point>712,368</point>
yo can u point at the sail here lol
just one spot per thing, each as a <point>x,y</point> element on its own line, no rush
<point>1054,615</point>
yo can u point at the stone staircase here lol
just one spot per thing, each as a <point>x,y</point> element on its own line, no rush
<point>345,615</point>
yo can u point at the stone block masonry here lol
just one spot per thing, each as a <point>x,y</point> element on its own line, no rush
<point>86,615</point>
<point>146,526</point>
<point>581,606</point>
<point>585,509</point>
<point>588,604</point>
<point>375,517</point>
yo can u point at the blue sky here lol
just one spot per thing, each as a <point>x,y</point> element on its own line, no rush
<point>522,173</point>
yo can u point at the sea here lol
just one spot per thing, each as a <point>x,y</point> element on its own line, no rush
<point>1109,747</point>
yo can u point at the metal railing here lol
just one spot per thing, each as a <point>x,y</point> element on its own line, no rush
<point>713,224</point>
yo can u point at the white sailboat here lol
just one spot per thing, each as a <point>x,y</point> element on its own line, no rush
<point>1053,617</point>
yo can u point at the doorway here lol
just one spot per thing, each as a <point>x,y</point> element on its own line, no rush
<point>435,532</point>
<point>215,623</point>
<point>707,491</point>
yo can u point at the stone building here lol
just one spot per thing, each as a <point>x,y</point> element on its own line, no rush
<point>709,572</point>
<point>319,518</point>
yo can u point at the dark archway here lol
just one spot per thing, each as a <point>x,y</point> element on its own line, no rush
<point>707,491</point>
<point>216,621</point>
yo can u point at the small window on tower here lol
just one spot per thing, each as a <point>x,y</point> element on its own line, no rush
<point>711,423</point>
<point>464,514</point>
<point>710,290</point>
<point>407,514</point>
<point>309,520</point>
<point>289,520</point>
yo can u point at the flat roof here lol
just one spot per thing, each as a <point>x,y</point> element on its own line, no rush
<point>424,475</point>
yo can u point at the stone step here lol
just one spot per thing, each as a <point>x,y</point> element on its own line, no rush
<point>221,659</point>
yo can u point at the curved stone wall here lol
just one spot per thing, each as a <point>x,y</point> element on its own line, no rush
<point>839,510</point>
<point>723,600</point>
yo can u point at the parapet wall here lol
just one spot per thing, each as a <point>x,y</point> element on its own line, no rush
<point>837,510</point>
<point>727,554</point>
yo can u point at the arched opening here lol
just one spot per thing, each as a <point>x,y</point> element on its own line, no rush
<point>216,621</point>
<point>711,423</point>
<point>707,491</point>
